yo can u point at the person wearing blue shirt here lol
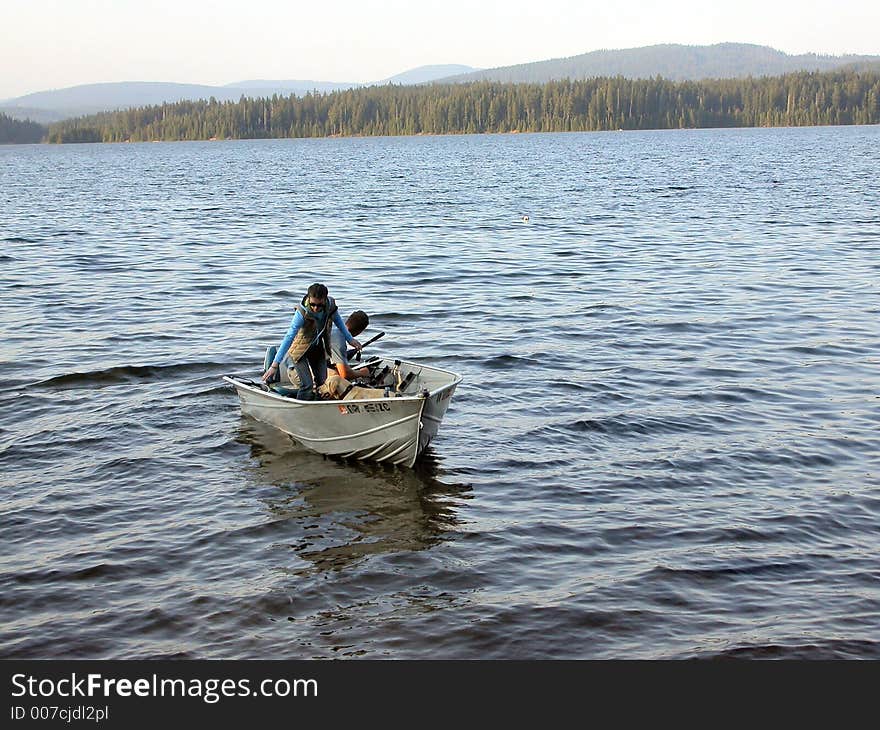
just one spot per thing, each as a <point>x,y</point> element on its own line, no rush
<point>307,342</point>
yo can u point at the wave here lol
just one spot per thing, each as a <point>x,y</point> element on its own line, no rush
<point>508,362</point>
<point>221,389</point>
<point>678,188</point>
<point>827,350</point>
<point>130,373</point>
<point>404,317</point>
<point>798,649</point>
<point>762,569</point>
<point>627,425</point>
<point>209,287</point>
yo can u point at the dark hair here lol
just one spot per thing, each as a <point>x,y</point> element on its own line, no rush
<point>358,320</point>
<point>319,291</point>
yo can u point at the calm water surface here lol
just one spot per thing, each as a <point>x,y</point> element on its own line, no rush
<point>666,445</point>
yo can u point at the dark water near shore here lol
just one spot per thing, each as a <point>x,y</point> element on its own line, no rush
<point>667,442</point>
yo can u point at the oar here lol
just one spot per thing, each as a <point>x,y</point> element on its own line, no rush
<point>356,354</point>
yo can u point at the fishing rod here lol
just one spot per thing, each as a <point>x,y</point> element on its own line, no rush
<point>356,354</point>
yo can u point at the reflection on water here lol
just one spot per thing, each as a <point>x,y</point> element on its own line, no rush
<point>346,509</point>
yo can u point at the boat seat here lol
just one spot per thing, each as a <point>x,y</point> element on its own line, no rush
<point>287,390</point>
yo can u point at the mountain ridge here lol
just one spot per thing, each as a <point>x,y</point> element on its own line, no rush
<point>675,62</point>
<point>56,104</point>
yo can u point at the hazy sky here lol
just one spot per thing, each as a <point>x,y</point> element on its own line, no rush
<point>50,44</point>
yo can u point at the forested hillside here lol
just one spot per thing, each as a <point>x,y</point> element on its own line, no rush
<point>13,131</point>
<point>800,99</point>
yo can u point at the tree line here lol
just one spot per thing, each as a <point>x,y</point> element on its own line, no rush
<point>13,131</point>
<point>798,99</point>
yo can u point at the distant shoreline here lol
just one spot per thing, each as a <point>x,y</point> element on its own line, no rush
<point>804,99</point>
<point>436,134</point>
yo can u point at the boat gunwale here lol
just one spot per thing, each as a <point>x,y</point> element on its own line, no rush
<point>286,399</point>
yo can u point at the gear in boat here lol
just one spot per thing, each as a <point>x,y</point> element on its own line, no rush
<point>383,381</point>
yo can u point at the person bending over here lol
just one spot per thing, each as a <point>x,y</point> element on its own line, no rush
<point>307,342</point>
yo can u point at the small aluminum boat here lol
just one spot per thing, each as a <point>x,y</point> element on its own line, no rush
<point>394,429</point>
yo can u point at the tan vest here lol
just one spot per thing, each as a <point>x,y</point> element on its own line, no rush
<point>307,332</point>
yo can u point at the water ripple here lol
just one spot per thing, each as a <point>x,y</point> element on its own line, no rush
<point>665,445</point>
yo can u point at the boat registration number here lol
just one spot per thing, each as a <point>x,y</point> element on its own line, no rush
<point>364,408</point>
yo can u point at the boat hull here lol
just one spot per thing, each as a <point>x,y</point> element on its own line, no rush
<point>393,430</point>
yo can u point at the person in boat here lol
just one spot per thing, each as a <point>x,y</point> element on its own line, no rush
<point>338,364</point>
<point>307,342</point>
<point>356,323</point>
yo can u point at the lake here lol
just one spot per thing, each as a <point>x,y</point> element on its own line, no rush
<point>666,443</point>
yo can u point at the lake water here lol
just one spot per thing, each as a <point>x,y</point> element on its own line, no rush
<point>666,444</point>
